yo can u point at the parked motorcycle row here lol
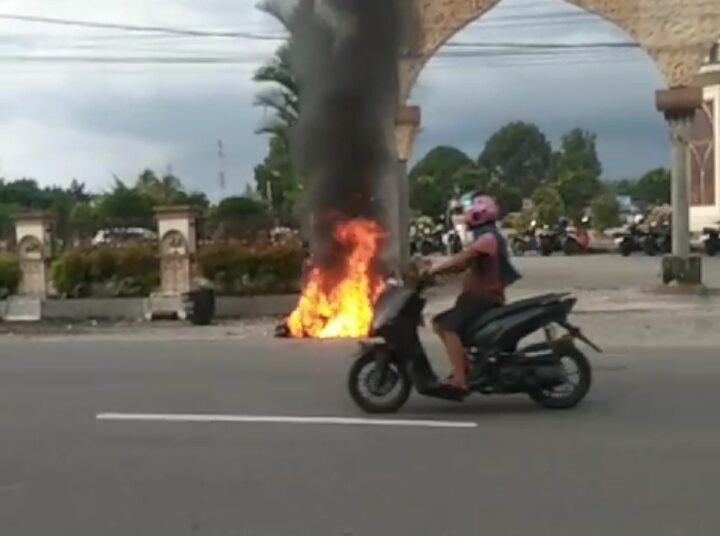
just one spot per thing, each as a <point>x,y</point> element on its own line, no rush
<point>428,237</point>
<point>656,238</point>
<point>547,240</point>
<point>445,236</point>
<point>653,239</point>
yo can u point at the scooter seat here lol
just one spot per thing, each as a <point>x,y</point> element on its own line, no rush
<point>512,308</point>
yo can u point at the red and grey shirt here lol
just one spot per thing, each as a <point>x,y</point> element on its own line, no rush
<point>482,277</point>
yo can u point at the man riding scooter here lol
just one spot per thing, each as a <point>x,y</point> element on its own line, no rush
<point>488,271</point>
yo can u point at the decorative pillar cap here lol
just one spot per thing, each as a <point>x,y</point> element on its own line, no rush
<point>679,101</point>
<point>408,115</point>
<point>175,211</point>
<point>35,215</point>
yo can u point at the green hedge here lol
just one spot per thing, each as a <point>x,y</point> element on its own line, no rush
<point>239,269</point>
<point>127,271</point>
<point>133,270</point>
<point>9,274</point>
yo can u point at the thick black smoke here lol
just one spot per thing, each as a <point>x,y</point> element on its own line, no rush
<point>344,58</point>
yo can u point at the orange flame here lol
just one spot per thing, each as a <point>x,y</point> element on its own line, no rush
<point>332,308</point>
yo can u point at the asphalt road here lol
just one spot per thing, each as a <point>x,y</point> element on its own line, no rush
<point>639,457</point>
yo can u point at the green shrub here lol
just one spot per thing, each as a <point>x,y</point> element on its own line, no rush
<point>103,263</point>
<point>71,273</point>
<point>9,274</point>
<point>134,270</point>
<point>138,269</point>
<point>243,269</point>
<point>130,270</point>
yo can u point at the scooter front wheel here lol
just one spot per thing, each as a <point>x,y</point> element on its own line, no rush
<point>377,389</point>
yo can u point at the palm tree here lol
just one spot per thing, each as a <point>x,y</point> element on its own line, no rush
<point>281,96</point>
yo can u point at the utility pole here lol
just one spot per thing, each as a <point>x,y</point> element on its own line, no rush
<point>221,166</point>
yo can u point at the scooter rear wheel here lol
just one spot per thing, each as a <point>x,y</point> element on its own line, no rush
<point>577,384</point>
<point>375,390</point>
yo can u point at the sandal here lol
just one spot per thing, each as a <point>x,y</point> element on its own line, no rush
<point>450,382</point>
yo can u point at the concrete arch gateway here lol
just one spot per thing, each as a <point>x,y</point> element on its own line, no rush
<point>676,34</point>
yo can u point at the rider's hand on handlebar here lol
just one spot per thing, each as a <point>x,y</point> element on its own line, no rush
<point>427,278</point>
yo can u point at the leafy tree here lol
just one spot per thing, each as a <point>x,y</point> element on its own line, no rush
<point>442,163</point>
<point>429,196</point>
<point>125,207</point>
<point>577,189</point>
<point>7,223</point>
<point>240,208</point>
<point>623,187</point>
<point>23,192</point>
<point>77,191</point>
<point>578,153</point>
<point>519,155</point>
<point>508,197</point>
<point>605,211</point>
<point>471,179</point>
<point>548,205</point>
<point>443,172</point>
<point>84,221</point>
<point>654,187</point>
<point>165,190</point>
<point>196,199</point>
<point>275,179</point>
<point>576,171</point>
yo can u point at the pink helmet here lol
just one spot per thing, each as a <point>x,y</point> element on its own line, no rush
<point>483,210</point>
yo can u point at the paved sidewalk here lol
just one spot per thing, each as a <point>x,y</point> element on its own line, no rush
<point>604,301</point>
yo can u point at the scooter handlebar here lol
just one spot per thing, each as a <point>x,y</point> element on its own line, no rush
<point>424,281</point>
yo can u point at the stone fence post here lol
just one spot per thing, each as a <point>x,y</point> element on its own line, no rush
<point>177,234</point>
<point>34,235</point>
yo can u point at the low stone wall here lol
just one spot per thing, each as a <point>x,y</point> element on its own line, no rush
<point>134,309</point>
<point>254,306</point>
<point>112,309</point>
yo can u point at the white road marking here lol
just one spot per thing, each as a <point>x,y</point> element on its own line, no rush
<point>277,419</point>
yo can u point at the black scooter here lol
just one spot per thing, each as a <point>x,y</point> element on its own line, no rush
<point>554,373</point>
<point>658,239</point>
<point>711,240</point>
<point>526,240</point>
<point>634,239</point>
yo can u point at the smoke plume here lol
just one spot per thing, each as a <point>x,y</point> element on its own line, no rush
<point>344,59</point>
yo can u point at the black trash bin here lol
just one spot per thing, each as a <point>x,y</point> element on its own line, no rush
<point>200,306</point>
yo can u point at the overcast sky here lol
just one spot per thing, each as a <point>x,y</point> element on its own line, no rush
<point>61,121</point>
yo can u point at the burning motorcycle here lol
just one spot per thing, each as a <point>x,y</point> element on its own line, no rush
<point>555,373</point>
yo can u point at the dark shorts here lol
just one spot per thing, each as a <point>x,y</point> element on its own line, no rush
<point>468,308</point>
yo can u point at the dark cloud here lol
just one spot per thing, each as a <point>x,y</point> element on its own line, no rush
<point>464,99</point>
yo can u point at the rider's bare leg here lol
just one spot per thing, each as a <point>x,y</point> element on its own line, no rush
<point>456,353</point>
